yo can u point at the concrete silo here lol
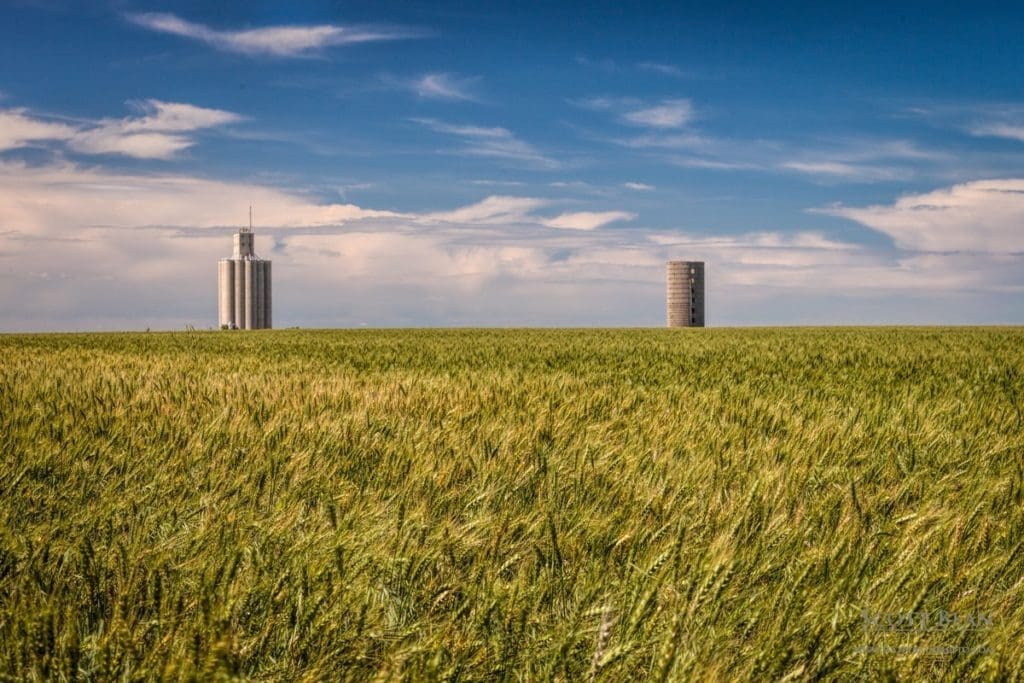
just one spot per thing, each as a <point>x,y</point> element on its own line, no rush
<point>244,286</point>
<point>684,296</point>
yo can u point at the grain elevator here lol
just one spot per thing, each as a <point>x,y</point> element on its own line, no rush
<point>244,286</point>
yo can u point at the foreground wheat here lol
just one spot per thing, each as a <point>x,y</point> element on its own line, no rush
<point>517,505</point>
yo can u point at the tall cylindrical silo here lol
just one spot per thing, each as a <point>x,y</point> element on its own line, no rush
<point>226,291</point>
<point>239,279</point>
<point>675,294</point>
<point>266,295</point>
<point>684,293</point>
<point>257,295</point>
<point>249,278</point>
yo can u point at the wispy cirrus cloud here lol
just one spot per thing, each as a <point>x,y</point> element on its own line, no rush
<point>712,164</point>
<point>443,86</point>
<point>844,170</point>
<point>672,113</point>
<point>999,130</point>
<point>611,66</point>
<point>588,220</point>
<point>855,160</point>
<point>271,41</point>
<point>861,160</point>
<point>663,114</point>
<point>497,183</point>
<point>492,141</point>
<point>159,132</point>
<point>663,69</point>
<point>979,119</point>
<point>639,187</point>
<point>493,209</point>
<point>506,210</point>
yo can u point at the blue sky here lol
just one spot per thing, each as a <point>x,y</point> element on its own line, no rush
<point>431,163</point>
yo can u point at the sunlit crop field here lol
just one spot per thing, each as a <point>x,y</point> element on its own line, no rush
<point>513,504</point>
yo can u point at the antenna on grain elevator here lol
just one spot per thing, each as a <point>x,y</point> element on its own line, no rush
<point>684,293</point>
<point>244,292</point>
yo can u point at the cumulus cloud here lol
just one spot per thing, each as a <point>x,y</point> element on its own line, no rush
<point>58,200</point>
<point>980,216</point>
<point>87,248</point>
<point>159,132</point>
<point>273,41</point>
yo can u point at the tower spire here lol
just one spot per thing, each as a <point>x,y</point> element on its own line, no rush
<point>250,218</point>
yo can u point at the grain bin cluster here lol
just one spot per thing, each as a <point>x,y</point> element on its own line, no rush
<point>244,291</point>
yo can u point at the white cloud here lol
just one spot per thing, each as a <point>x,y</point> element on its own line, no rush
<point>158,134</point>
<point>669,114</point>
<point>588,220</point>
<point>175,116</point>
<point>666,114</point>
<point>980,216</point>
<point>155,135</point>
<point>504,210</point>
<point>639,187</point>
<point>442,86</point>
<point>663,69</point>
<point>274,41</point>
<point>845,170</point>
<point>603,103</point>
<point>861,160</point>
<point>494,209</point>
<point>999,130</point>
<point>138,145</point>
<point>17,129</point>
<point>494,142</point>
<point>981,119</point>
<point>713,164</point>
<point>500,183</point>
<point>670,141</point>
<point>606,64</point>
<point>84,248</point>
<point>57,201</point>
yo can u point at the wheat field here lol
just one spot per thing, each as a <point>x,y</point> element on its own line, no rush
<point>478,505</point>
